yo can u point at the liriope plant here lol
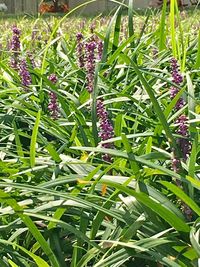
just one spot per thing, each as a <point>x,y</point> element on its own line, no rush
<point>88,138</point>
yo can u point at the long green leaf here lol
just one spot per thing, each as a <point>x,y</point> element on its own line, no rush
<point>167,215</point>
<point>172,27</point>
<point>197,64</point>
<point>131,156</point>
<point>34,140</point>
<point>162,28</point>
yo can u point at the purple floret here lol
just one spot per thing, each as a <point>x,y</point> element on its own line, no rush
<point>53,78</point>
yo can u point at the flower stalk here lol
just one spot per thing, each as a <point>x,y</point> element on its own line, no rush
<point>182,141</point>
<point>15,47</point>
<point>53,104</point>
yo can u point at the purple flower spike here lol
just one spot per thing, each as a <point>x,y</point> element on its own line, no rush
<point>177,79</point>
<point>90,65</point>
<point>16,30</point>
<point>24,74</point>
<point>100,50</point>
<point>53,104</point>
<point>15,47</point>
<point>80,50</point>
<point>184,143</point>
<point>176,165</point>
<point>15,43</point>
<point>106,128</point>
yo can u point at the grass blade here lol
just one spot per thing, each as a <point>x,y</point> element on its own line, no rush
<point>162,29</point>
<point>172,27</point>
<point>34,140</point>
<point>197,64</point>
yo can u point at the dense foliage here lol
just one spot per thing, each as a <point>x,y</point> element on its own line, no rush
<point>99,130</point>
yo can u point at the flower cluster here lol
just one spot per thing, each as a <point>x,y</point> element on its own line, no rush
<point>53,105</point>
<point>183,142</point>
<point>88,53</point>
<point>15,47</point>
<point>24,74</point>
<point>15,44</point>
<point>80,50</point>
<point>106,128</point>
<point>177,79</point>
<point>90,64</point>
<point>53,78</point>
<point>100,49</point>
